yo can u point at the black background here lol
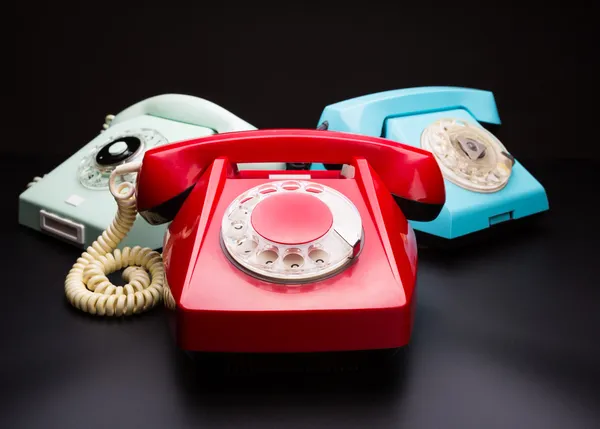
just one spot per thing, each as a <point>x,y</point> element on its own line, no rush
<point>506,334</point>
<point>280,68</point>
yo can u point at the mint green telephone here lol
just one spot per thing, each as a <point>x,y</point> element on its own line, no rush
<point>73,202</point>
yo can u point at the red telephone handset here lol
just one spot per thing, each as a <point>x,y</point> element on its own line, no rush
<point>168,173</point>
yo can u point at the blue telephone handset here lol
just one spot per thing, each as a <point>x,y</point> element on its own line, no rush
<point>485,185</point>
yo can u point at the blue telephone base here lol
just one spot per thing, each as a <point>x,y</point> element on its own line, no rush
<point>498,234</point>
<point>465,211</point>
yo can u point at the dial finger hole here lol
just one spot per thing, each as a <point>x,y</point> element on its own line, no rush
<point>319,256</point>
<point>293,261</point>
<point>237,225</point>
<point>267,257</point>
<point>502,170</point>
<point>290,186</point>
<point>249,203</point>
<point>246,246</point>
<point>315,189</point>
<point>237,216</point>
<point>267,189</point>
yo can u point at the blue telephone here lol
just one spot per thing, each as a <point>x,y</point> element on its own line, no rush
<point>485,185</point>
<point>73,203</point>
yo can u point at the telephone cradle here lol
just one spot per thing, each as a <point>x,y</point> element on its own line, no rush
<point>264,261</point>
<point>72,202</point>
<point>485,184</point>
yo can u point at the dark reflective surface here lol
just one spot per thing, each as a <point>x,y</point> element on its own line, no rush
<point>506,336</point>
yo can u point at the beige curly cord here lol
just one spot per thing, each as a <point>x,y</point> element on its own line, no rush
<point>87,286</point>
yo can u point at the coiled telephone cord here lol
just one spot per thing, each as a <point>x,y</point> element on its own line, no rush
<point>87,286</point>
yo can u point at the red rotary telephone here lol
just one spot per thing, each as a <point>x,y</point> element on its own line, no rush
<point>309,262</point>
<point>265,261</point>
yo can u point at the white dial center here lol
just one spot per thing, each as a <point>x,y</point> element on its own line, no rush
<point>117,148</point>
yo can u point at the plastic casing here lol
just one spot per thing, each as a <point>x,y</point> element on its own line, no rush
<point>402,115</point>
<point>220,308</point>
<point>85,213</point>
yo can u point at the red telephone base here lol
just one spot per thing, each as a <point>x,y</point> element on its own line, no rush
<point>220,308</point>
<point>256,265</point>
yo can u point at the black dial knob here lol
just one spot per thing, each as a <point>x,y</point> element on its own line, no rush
<point>118,150</point>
